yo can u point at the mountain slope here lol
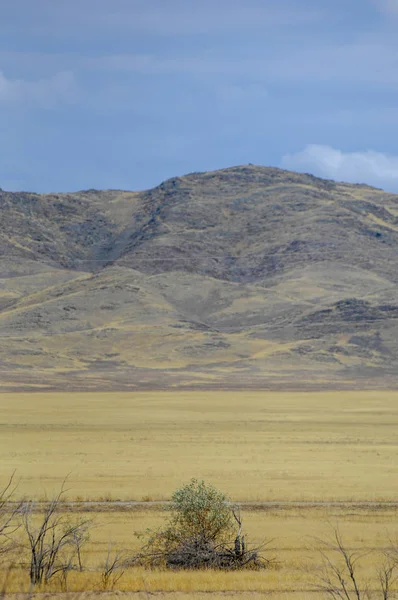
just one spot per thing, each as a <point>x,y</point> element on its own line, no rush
<point>249,276</point>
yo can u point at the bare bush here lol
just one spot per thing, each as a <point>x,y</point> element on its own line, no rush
<point>113,569</point>
<point>8,513</point>
<point>54,541</point>
<point>79,536</point>
<point>339,575</point>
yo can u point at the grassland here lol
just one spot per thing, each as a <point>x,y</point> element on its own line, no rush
<point>255,446</point>
<point>293,532</point>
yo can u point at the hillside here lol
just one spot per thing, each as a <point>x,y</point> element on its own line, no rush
<point>244,277</point>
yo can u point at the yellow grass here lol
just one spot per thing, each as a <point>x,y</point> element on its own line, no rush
<point>294,546</point>
<point>252,445</point>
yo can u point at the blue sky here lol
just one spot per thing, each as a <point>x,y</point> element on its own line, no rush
<point>126,93</point>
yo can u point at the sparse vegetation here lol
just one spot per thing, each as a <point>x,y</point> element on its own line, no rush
<point>8,518</point>
<point>113,568</point>
<point>340,578</point>
<point>54,542</point>
<point>292,529</point>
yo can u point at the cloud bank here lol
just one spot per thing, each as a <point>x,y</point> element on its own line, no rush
<point>372,168</point>
<point>45,93</point>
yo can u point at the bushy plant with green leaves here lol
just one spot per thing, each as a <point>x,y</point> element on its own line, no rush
<point>200,510</point>
<point>199,533</point>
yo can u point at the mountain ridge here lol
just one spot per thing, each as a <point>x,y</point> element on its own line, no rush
<point>246,276</point>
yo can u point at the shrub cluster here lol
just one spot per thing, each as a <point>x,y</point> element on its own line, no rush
<point>204,530</point>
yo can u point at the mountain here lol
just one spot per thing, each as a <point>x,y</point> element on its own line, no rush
<point>244,277</point>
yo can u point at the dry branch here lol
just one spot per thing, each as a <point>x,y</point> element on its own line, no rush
<point>8,513</point>
<point>113,568</point>
<point>55,543</point>
<point>338,575</point>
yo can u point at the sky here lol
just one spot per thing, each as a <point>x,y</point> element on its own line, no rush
<point>124,94</point>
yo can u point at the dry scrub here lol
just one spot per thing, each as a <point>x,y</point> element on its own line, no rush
<point>293,578</point>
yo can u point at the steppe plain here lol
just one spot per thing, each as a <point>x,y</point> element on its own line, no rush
<point>255,446</point>
<point>300,463</point>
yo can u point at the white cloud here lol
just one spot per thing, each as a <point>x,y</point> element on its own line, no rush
<point>45,93</point>
<point>373,168</point>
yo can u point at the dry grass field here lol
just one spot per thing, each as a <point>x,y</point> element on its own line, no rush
<point>255,446</point>
<point>292,530</point>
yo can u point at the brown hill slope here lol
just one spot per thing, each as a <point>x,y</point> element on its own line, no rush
<point>248,276</point>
